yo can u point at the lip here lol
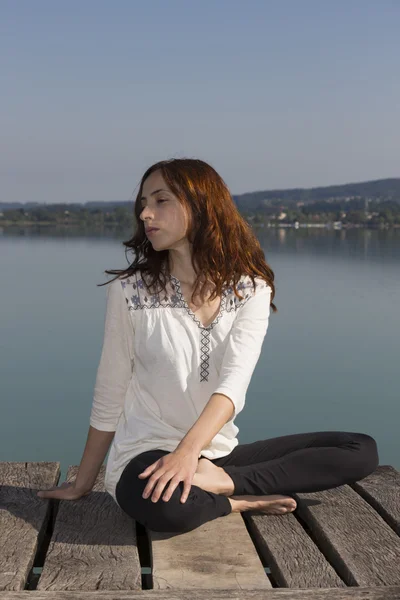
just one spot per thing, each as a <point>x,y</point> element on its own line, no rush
<point>151,230</point>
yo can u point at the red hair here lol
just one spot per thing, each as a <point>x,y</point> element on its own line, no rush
<point>224,245</point>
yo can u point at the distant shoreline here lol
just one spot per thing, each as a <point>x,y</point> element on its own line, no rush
<point>329,226</point>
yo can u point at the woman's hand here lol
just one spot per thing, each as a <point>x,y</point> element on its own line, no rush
<point>179,465</point>
<point>66,491</point>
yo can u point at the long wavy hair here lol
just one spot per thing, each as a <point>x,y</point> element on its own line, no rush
<point>224,246</point>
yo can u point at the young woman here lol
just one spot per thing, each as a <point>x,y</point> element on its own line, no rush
<point>184,327</point>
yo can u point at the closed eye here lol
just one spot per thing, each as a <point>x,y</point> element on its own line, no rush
<point>159,200</point>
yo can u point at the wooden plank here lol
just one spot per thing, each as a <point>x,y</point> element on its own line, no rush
<point>218,554</point>
<point>23,517</point>
<point>296,561</point>
<point>293,558</point>
<point>381,489</point>
<point>355,593</point>
<point>360,545</point>
<point>93,546</point>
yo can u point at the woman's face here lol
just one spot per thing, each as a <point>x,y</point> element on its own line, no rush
<point>162,209</point>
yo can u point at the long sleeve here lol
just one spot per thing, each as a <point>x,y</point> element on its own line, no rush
<point>244,346</point>
<point>116,362</point>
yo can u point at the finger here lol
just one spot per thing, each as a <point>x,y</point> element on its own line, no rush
<point>52,489</point>
<point>63,485</point>
<point>162,482</point>
<point>171,488</point>
<point>186,489</point>
<point>149,470</point>
<point>53,493</point>
<point>151,483</point>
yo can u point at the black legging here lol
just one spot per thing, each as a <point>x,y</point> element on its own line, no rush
<point>303,462</point>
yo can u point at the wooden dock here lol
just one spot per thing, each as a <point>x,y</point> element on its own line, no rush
<point>340,543</point>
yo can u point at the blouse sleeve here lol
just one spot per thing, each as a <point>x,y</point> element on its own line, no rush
<point>116,362</point>
<point>244,347</point>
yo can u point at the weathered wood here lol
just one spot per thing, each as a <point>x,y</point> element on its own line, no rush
<point>355,593</point>
<point>293,558</point>
<point>350,539</point>
<point>381,489</point>
<point>338,525</point>
<point>93,546</point>
<point>359,544</point>
<point>218,554</point>
<point>23,517</point>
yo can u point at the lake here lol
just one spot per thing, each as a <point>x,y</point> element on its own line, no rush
<point>330,359</point>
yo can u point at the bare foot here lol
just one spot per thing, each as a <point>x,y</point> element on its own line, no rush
<point>211,478</point>
<point>276,504</point>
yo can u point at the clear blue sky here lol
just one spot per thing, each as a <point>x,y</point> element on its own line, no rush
<point>273,94</point>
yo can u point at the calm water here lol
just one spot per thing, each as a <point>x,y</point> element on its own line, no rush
<point>330,360</point>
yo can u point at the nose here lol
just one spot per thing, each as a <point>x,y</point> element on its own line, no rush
<point>145,215</point>
<point>145,212</point>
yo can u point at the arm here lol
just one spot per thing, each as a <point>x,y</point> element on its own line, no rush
<point>215,414</point>
<point>96,448</point>
<point>116,362</point>
<point>241,356</point>
<point>113,376</point>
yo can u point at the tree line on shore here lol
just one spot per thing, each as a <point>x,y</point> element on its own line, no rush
<point>375,203</point>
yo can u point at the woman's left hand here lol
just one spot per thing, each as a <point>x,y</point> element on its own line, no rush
<point>179,465</point>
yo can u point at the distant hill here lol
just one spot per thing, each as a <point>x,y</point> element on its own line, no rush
<point>89,205</point>
<point>16,205</point>
<point>379,190</point>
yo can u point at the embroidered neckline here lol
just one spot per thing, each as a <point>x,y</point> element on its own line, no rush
<point>221,311</point>
<point>140,299</point>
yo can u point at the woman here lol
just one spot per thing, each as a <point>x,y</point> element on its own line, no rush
<point>184,328</point>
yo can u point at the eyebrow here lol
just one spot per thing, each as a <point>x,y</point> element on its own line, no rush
<point>153,193</point>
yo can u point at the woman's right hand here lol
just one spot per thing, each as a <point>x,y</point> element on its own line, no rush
<point>66,491</point>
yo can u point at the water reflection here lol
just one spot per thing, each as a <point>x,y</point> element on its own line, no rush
<point>362,243</point>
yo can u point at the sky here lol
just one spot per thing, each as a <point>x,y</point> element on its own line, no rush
<point>272,93</point>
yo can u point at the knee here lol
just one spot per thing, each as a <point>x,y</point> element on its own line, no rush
<point>167,517</point>
<point>368,455</point>
<point>171,516</point>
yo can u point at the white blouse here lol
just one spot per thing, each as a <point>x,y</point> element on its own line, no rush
<point>159,366</point>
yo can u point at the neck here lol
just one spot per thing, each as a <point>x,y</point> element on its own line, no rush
<point>182,269</point>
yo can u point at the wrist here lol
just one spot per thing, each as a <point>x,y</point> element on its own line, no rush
<point>82,487</point>
<point>189,448</point>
